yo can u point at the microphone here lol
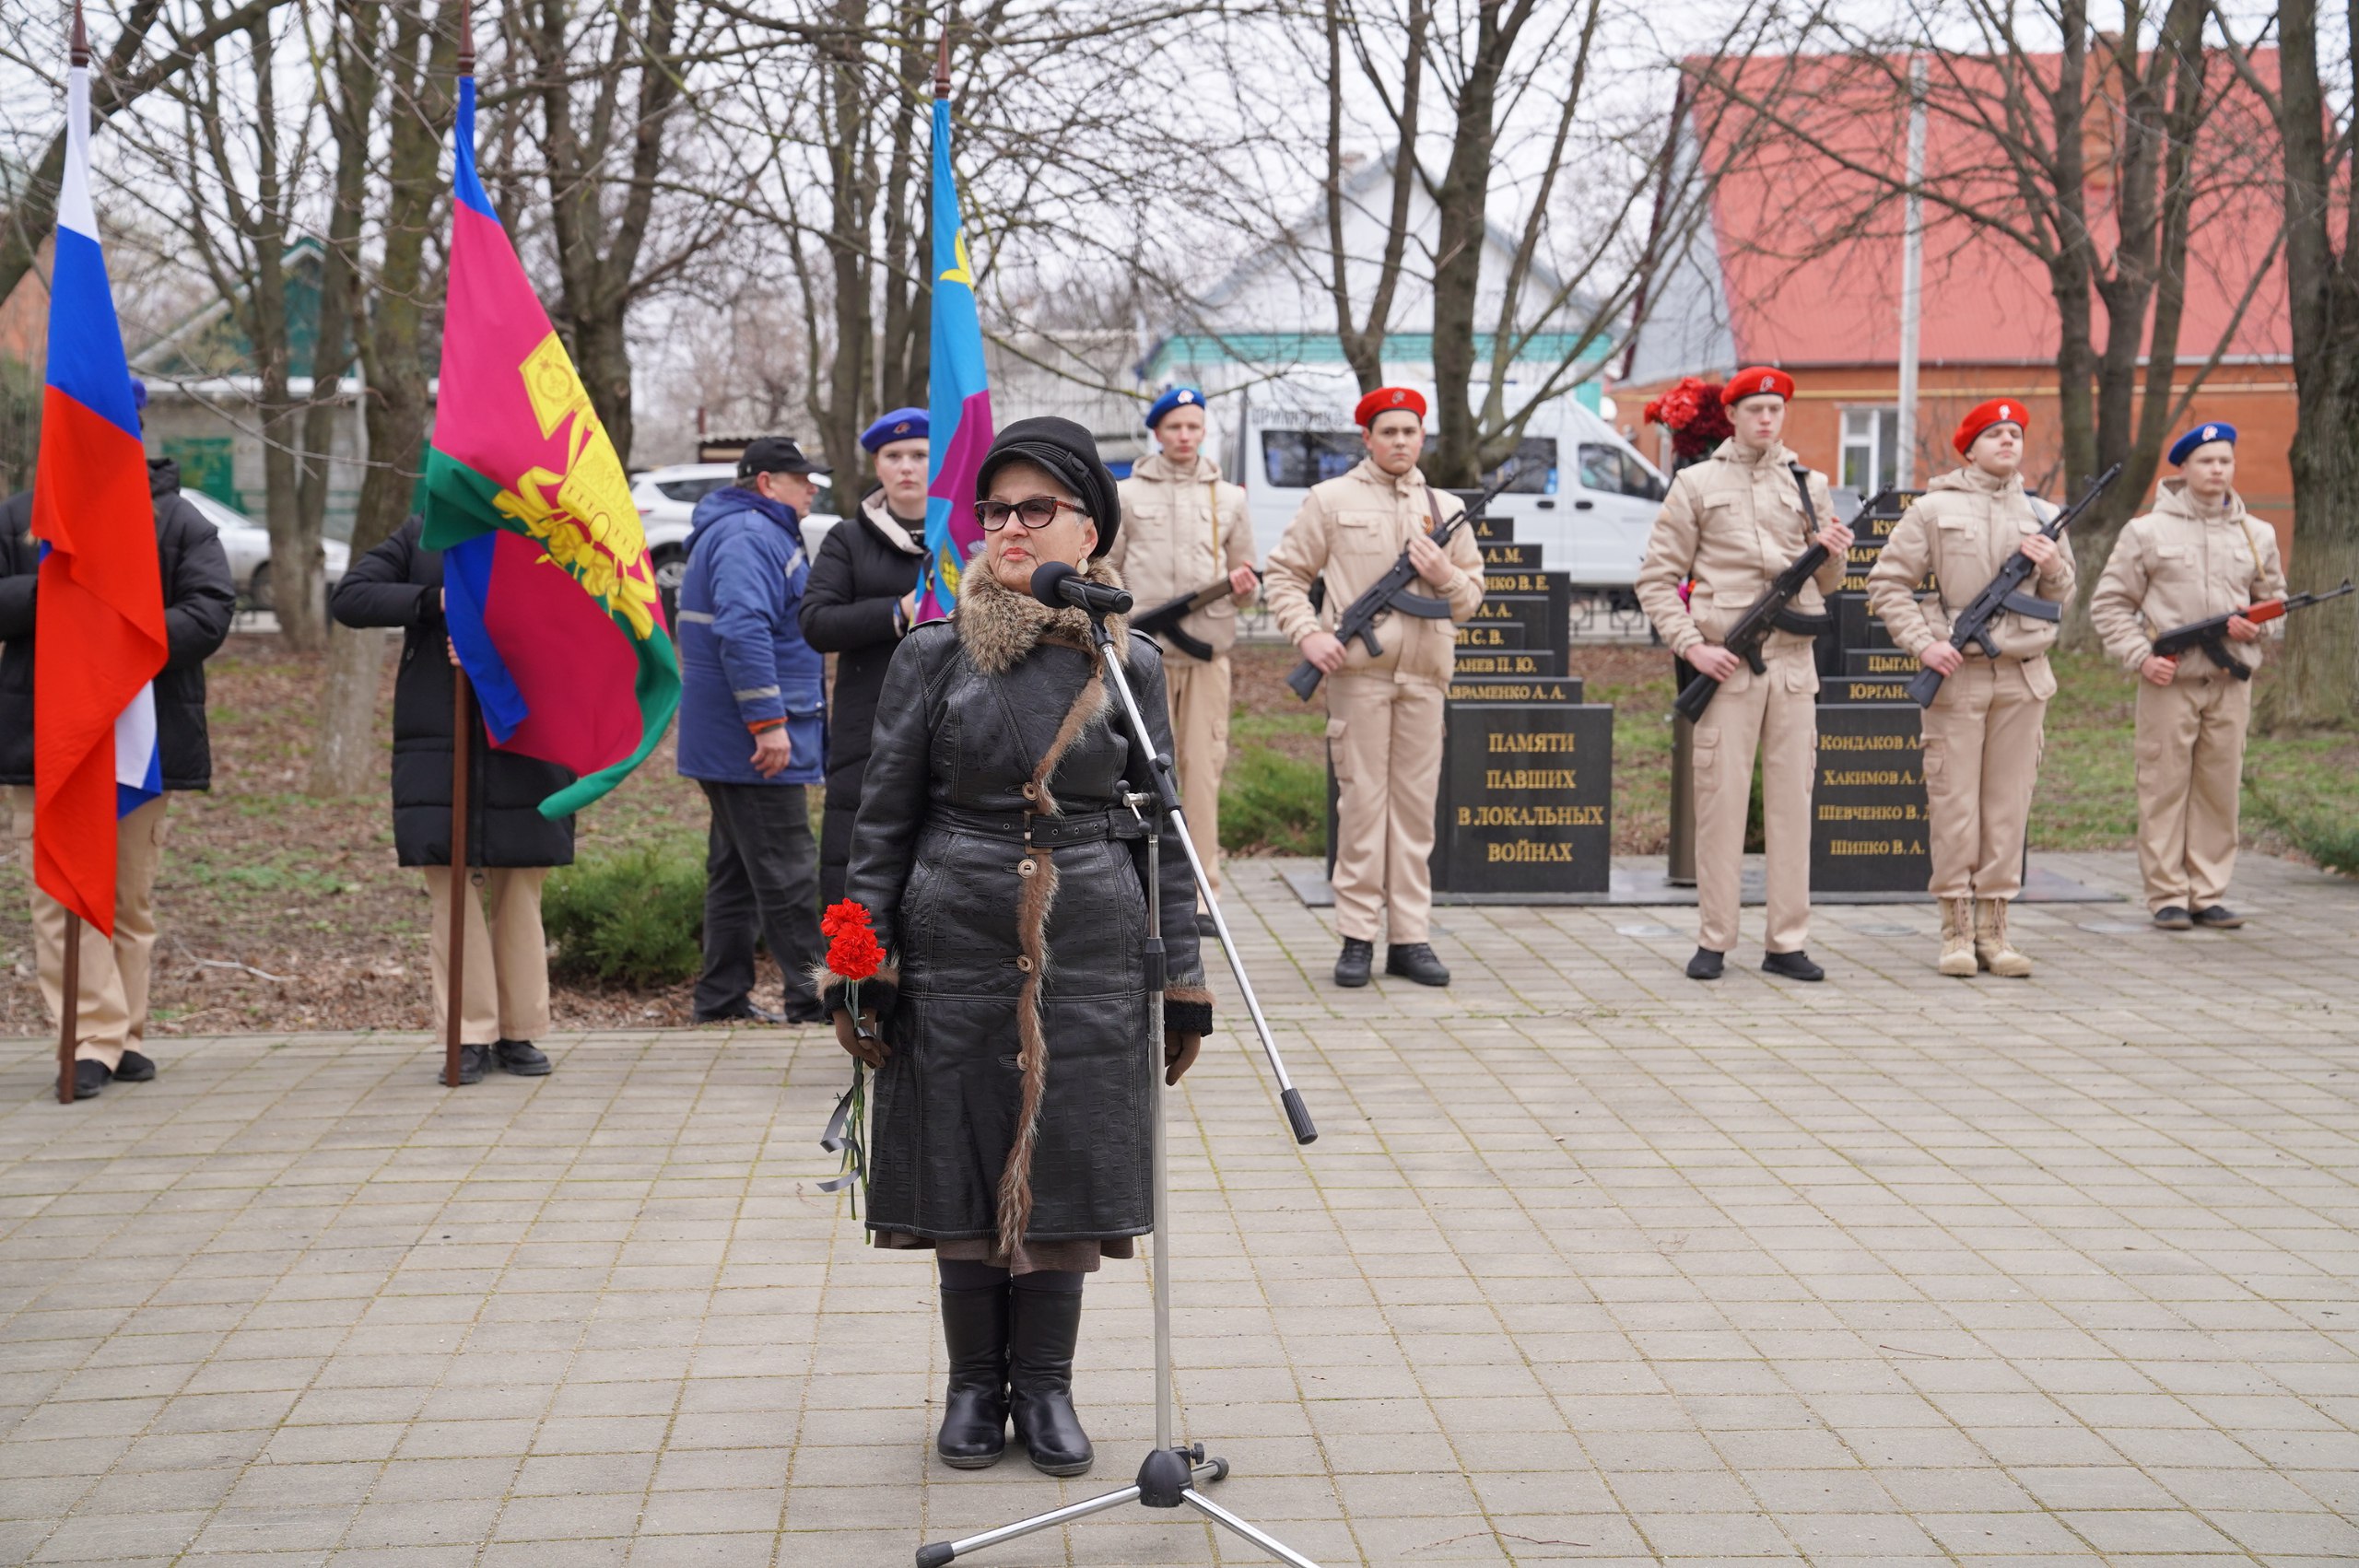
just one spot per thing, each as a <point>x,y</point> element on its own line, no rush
<point>1057,585</point>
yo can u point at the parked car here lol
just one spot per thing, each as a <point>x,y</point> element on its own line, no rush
<point>667,498</point>
<point>247,543</point>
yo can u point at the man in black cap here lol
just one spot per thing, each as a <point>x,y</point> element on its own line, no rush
<point>752,722</point>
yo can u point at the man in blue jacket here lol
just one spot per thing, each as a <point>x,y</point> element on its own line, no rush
<point>753,721</point>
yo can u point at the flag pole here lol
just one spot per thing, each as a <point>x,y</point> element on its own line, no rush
<point>69,1009</point>
<point>461,728</point>
<point>461,895</point>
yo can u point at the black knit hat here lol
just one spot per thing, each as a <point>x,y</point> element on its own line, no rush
<point>1069,453</point>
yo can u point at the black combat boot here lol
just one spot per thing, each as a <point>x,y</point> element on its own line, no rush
<point>1415,961</point>
<point>1706,964</point>
<point>134,1068</point>
<point>1358,958</point>
<point>522,1057</point>
<point>974,1412</point>
<point>1042,1329</point>
<point>1794,966</point>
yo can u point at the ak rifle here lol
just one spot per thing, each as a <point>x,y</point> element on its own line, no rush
<point>1772,611</point>
<point>2003,594</point>
<point>1392,591</point>
<point>1165,619</point>
<point>2211,636</point>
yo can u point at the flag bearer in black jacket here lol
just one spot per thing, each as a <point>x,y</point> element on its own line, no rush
<point>511,846</point>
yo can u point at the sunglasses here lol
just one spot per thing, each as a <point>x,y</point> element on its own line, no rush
<point>1033,511</point>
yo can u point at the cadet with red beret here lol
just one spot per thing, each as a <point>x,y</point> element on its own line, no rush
<point>1384,725</point>
<point>1982,734</point>
<point>1729,525</point>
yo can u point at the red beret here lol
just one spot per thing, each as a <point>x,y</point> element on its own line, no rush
<point>1384,400</point>
<point>1755,380</point>
<point>1982,416</point>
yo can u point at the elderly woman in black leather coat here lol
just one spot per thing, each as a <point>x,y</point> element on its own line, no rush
<point>1010,1131</point>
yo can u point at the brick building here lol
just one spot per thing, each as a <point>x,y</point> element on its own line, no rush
<point>1760,282</point>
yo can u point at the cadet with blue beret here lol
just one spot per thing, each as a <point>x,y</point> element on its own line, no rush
<point>2197,554</point>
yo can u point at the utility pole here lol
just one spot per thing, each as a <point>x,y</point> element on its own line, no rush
<point>1912,279</point>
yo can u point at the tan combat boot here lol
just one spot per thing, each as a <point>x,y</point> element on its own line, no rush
<point>1957,939</point>
<point>1992,948</point>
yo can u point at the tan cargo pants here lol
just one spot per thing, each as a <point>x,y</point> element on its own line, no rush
<point>1199,699</point>
<point>1384,737</point>
<point>2190,770</point>
<point>111,1012</point>
<point>1775,715</point>
<point>1983,736</point>
<point>507,984</point>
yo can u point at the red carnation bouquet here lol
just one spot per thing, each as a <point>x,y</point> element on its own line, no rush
<point>853,954</point>
<point>1691,410</point>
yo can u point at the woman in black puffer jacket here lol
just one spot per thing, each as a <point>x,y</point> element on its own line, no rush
<point>856,605</point>
<point>399,584</point>
<point>1010,1129</point>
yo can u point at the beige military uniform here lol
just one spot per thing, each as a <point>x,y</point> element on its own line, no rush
<point>1180,531</point>
<point>111,1013</point>
<point>2184,562</point>
<point>1733,523</point>
<point>1384,723</point>
<point>1983,734</point>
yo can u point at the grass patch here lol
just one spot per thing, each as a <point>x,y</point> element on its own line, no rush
<point>1272,803</point>
<point>634,919</point>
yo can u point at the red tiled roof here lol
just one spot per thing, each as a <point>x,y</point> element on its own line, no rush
<point>1795,300</point>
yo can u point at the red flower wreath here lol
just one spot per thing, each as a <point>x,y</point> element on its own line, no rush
<point>1691,410</point>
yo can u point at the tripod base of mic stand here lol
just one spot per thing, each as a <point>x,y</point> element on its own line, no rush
<point>1169,1479</point>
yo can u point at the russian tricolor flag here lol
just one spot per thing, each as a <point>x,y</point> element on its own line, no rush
<point>99,626</point>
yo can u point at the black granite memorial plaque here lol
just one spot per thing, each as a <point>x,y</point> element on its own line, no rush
<point>1492,528</point>
<point>1873,663</point>
<point>1512,557</point>
<point>1868,818</point>
<point>1511,664</point>
<point>1526,805</point>
<point>1856,626</point>
<point>1860,688</point>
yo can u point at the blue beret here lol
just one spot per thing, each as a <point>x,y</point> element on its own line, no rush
<point>2184,448</point>
<point>1176,397</point>
<point>900,425</point>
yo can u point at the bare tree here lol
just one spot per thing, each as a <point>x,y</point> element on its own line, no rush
<point>121,79</point>
<point>2311,105</point>
<point>399,54</point>
<point>242,178</point>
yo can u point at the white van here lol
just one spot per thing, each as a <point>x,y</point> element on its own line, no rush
<point>1581,493</point>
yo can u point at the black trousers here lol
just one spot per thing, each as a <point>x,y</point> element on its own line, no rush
<point>835,846</point>
<point>760,878</point>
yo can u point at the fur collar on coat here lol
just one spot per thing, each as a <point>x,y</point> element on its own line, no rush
<point>998,625</point>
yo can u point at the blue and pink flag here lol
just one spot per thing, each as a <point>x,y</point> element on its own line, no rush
<point>99,615</point>
<point>551,593</point>
<point>959,393</point>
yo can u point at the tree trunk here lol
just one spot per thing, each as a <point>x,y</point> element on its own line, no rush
<point>1463,199</point>
<point>2319,684</point>
<point>390,345</point>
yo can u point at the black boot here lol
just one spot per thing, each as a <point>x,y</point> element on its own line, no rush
<point>1706,964</point>
<point>1794,966</point>
<point>1358,958</point>
<point>974,1412</point>
<point>1415,961</point>
<point>1042,1328</point>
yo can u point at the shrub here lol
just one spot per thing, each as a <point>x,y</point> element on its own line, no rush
<point>2332,842</point>
<point>1274,803</point>
<point>634,920</point>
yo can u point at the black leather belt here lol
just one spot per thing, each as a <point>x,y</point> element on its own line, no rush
<point>1047,832</point>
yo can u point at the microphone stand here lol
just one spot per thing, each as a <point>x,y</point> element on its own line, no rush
<point>1172,1473</point>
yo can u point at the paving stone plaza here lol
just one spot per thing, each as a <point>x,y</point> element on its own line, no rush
<point>1590,1263</point>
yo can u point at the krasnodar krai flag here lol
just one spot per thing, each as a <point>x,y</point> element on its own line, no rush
<point>552,599</point>
<point>98,621</point>
<point>959,394</point>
